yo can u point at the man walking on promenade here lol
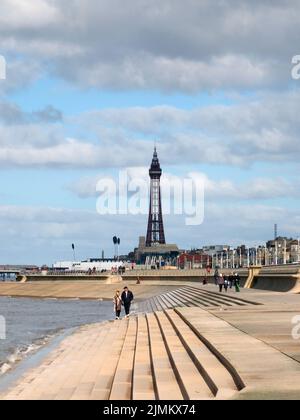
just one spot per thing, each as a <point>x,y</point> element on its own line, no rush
<point>127,298</point>
<point>221,282</point>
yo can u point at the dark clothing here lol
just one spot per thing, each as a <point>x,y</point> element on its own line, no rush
<point>216,276</point>
<point>226,283</point>
<point>237,282</point>
<point>127,308</point>
<point>118,313</point>
<point>127,298</point>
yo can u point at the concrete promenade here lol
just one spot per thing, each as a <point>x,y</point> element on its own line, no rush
<point>88,289</point>
<point>186,342</point>
<point>285,278</point>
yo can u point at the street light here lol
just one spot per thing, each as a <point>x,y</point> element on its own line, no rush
<point>115,242</point>
<point>73,247</point>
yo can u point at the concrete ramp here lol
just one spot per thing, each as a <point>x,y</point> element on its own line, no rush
<point>277,279</point>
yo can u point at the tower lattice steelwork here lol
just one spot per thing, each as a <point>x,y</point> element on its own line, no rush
<point>155,232</point>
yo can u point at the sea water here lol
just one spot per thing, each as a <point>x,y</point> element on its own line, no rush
<point>31,323</point>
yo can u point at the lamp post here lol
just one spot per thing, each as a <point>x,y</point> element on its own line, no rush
<point>73,248</point>
<point>115,242</point>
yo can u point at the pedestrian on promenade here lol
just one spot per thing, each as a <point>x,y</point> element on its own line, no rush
<point>127,298</point>
<point>231,280</point>
<point>226,283</point>
<point>237,282</point>
<point>216,276</point>
<point>221,282</point>
<point>117,304</point>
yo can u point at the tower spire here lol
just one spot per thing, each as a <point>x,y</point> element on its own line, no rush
<point>155,232</point>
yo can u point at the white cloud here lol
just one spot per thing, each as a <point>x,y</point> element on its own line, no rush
<point>170,45</point>
<point>263,129</point>
<point>255,188</point>
<point>24,14</point>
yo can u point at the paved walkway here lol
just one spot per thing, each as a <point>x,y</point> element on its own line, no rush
<point>189,343</point>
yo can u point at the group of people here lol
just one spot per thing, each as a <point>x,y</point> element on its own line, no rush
<point>228,282</point>
<point>125,299</point>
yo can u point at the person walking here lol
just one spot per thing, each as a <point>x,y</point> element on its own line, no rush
<point>127,298</point>
<point>216,276</point>
<point>230,280</point>
<point>237,282</point>
<point>117,304</point>
<point>226,283</point>
<point>221,282</point>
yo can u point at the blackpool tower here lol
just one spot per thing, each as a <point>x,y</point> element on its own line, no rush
<point>155,232</point>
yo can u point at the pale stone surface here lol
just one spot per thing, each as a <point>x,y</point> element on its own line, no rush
<point>87,289</point>
<point>209,348</point>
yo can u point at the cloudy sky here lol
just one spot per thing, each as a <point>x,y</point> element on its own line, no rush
<point>92,84</point>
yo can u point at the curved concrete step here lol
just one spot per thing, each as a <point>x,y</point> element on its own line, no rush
<point>188,316</point>
<point>183,299</point>
<point>173,300</point>
<point>166,304</point>
<point>149,308</point>
<point>237,300</point>
<point>153,306</point>
<point>122,382</point>
<point>192,384</point>
<point>110,355</point>
<point>196,299</point>
<point>165,384</point>
<point>217,377</point>
<point>203,300</point>
<point>142,387</point>
<point>157,304</point>
<point>218,298</point>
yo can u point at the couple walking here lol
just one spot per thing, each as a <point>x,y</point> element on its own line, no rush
<point>228,282</point>
<point>123,300</point>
